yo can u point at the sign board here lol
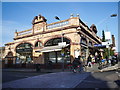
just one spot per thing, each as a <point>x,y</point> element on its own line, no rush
<point>62,44</point>
<point>104,43</point>
<point>108,35</point>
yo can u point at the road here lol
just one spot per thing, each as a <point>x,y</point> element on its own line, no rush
<point>8,76</point>
<point>95,80</point>
<point>101,80</point>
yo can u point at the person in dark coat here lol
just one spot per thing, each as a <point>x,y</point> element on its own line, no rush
<point>76,62</point>
<point>38,68</point>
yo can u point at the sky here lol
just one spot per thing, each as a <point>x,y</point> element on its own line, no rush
<point>19,15</point>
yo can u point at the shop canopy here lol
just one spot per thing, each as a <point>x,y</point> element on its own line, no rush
<point>52,48</point>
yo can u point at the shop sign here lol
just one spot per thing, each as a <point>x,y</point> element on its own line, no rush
<point>104,43</point>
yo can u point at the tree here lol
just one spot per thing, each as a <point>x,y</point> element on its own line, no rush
<point>103,36</point>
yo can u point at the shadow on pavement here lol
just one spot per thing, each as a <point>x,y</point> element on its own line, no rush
<point>92,82</point>
<point>117,82</point>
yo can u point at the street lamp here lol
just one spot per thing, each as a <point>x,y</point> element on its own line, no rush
<point>113,15</point>
<point>61,29</point>
<point>62,43</point>
<point>108,34</point>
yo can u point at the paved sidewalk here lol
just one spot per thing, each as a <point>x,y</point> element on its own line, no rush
<point>95,68</point>
<point>51,80</point>
<point>115,67</point>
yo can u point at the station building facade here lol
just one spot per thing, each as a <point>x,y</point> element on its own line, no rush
<point>51,42</point>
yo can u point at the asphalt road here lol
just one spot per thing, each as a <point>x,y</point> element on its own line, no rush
<point>100,80</point>
<point>8,76</point>
<point>95,80</point>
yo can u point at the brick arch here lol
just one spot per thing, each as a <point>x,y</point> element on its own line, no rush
<point>58,36</point>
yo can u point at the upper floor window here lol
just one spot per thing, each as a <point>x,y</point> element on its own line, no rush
<point>90,43</point>
<point>83,41</point>
<point>38,44</point>
<point>55,41</point>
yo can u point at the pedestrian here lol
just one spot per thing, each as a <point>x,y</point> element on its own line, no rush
<point>99,59</point>
<point>75,64</point>
<point>37,66</point>
<point>50,65</point>
<point>89,61</point>
<point>82,64</point>
<point>106,59</point>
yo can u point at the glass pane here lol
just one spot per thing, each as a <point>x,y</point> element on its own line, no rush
<point>52,57</point>
<point>59,57</point>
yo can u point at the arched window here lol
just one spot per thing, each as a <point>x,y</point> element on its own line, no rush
<point>55,56</point>
<point>55,41</point>
<point>38,44</point>
<point>25,47</point>
<point>24,53</point>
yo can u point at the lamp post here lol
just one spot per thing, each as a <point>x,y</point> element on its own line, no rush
<point>62,43</point>
<point>61,29</point>
<point>113,15</point>
<point>108,38</point>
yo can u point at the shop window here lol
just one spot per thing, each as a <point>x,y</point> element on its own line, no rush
<point>24,53</point>
<point>56,56</point>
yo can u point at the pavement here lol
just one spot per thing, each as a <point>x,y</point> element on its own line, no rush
<point>56,79</point>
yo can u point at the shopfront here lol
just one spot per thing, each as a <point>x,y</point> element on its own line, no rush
<point>55,54</point>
